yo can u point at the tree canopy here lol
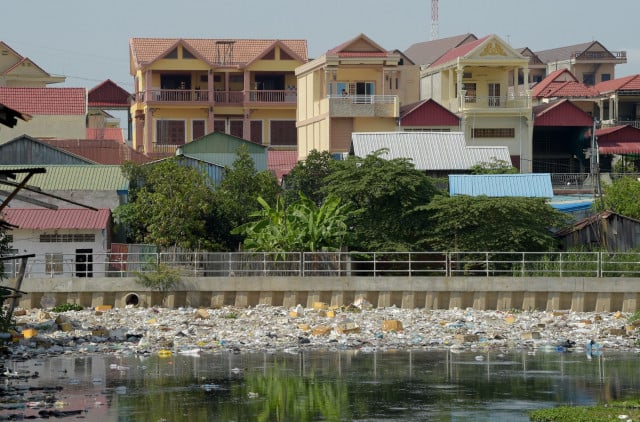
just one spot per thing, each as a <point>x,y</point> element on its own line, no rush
<point>236,198</point>
<point>168,205</point>
<point>383,193</point>
<point>481,223</point>
<point>302,226</point>
<point>623,197</point>
<point>307,177</point>
<point>494,166</point>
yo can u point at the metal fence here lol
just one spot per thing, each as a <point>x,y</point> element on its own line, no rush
<point>336,264</point>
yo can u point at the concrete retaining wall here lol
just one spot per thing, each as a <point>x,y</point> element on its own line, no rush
<point>503,293</point>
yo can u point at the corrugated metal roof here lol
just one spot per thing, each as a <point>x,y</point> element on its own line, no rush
<point>76,177</point>
<point>67,218</point>
<point>430,151</point>
<point>213,170</point>
<point>221,148</point>
<point>281,161</point>
<point>618,140</point>
<point>530,185</point>
<point>101,151</point>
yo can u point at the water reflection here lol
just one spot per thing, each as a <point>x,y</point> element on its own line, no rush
<point>313,386</point>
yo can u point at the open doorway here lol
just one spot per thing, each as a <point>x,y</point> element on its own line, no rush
<point>84,262</point>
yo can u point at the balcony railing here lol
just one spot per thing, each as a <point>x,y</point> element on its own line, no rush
<point>173,95</point>
<point>494,102</point>
<point>219,97</point>
<point>338,264</point>
<point>600,55</point>
<point>364,106</point>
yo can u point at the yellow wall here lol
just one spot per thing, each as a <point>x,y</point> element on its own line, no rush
<point>45,126</point>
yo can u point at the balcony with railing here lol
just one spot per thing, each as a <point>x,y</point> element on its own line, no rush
<point>496,104</point>
<point>200,96</point>
<point>600,56</point>
<point>364,106</point>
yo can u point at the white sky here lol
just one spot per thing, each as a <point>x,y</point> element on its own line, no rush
<point>88,41</point>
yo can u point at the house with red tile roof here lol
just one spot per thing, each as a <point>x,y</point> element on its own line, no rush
<point>55,112</point>
<point>620,101</point>
<point>562,84</point>
<point>103,98</point>
<point>18,71</point>
<point>187,88</point>
<point>353,87</point>
<point>472,81</point>
<point>73,241</point>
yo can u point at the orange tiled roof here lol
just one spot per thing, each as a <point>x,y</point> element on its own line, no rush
<point>627,83</point>
<point>45,101</point>
<point>343,50</point>
<point>554,86</point>
<point>147,50</point>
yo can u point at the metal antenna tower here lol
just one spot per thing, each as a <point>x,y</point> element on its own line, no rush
<point>434,20</point>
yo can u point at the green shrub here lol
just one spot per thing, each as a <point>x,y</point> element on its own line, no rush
<point>64,307</point>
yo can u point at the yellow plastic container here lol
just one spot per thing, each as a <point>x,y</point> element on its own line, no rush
<point>164,353</point>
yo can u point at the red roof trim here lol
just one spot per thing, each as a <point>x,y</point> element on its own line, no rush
<point>460,51</point>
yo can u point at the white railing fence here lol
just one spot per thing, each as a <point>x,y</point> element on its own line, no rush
<point>336,264</point>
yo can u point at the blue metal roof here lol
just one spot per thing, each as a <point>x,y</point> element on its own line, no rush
<point>530,185</point>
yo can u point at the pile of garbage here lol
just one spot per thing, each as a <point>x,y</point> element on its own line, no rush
<point>320,327</point>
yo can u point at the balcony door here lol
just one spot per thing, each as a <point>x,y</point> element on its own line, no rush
<point>494,95</point>
<point>175,81</point>
<point>360,91</point>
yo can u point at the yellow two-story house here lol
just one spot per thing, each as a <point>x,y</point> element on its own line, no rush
<point>355,87</point>
<point>186,88</point>
<point>479,82</point>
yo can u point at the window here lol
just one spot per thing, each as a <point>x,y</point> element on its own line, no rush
<point>220,126</point>
<point>173,54</point>
<point>357,88</point>
<point>170,132</point>
<point>235,128</point>
<point>605,77</point>
<point>494,133</point>
<point>197,126</point>
<point>186,54</point>
<point>67,237</point>
<point>256,131</point>
<point>494,95</point>
<point>284,132</point>
<point>53,263</point>
<point>589,79</point>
